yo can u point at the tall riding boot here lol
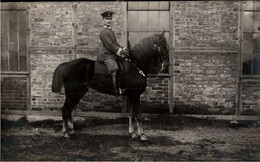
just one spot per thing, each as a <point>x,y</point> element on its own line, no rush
<point>115,88</point>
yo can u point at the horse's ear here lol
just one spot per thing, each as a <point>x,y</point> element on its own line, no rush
<point>162,34</point>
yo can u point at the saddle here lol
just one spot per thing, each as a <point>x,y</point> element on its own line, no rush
<point>101,68</point>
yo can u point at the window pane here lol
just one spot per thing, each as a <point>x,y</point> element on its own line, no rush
<point>133,38</point>
<point>13,5</point>
<point>153,21</point>
<point>257,43</point>
<point>4,5</point>
<point>256,65</point>
<point>22,32</point>
<point>4,61</point>
<point>247,21</point>
<point>22,21</point>
<point>142,20</point>
<point>13,41</point>
<point>141,35</point>
<point>132,20</point>
<point>13,60</point>
<point>167,36</point>
<point>4,21</point>
<point>13,21</point>
<point>143,5</point>
<point>256,21</point>
<point>154,5</point>
<point>13,36</point>
<point>4,42</point>
<point>257,6</point>
<point>151,33</point>
<point>22,41</point>
<point>164,21</point>
<point>132,5</point>
<point>247,64</point>
<point>23,5</point>
<point>248,5</point>
<point>22,62</point>
<point>164,5</point>
<point>248,43</point>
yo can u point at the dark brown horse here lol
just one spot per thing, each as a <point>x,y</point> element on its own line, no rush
<point>76,76</point>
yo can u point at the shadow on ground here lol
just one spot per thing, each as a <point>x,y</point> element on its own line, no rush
<point>171,138</point>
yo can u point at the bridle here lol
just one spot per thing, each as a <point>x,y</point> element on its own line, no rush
<point>156,49</point>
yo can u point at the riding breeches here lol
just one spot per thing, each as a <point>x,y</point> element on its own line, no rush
<point>111,65</point>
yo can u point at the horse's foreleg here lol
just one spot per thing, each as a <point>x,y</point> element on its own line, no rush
<point>131,126</point>
<point>136,114</point>
<point>71,126</point>
<point>64,126</point>
<point>139,123</point>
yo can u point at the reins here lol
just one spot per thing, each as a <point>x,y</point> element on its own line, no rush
<point>154,53</point>
<point>140,71</point>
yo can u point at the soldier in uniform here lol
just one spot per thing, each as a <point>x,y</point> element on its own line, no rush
<point>111,49</point>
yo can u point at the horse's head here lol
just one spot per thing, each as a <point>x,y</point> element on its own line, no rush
<point>161,52</point>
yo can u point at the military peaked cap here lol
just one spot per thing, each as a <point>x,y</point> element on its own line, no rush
<point>107,14</point>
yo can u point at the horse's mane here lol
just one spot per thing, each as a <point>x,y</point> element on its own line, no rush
<point>143,48</point>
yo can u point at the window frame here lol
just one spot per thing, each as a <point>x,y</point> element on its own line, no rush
<point>251,7</point>
<point>20,8</point>
<point>147,9</point>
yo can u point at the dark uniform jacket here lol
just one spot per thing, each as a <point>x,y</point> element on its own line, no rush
<point>110,45</point>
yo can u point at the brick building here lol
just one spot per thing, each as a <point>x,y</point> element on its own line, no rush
<point>214,56</point>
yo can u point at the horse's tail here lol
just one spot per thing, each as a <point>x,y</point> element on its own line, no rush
<point>57,81</point>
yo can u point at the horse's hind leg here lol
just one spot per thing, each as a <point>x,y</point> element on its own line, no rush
<point>72,99</point>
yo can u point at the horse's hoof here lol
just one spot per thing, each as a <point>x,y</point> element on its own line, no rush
<point>72,132</point>
<point>144,138</point>
<point>134,135</point>
<point>66,135</point>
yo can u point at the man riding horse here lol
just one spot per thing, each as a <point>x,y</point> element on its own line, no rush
<point>111,49</point>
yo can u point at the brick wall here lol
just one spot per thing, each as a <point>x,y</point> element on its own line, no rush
<point>51,39</point>
<point>51,23</point>
<point>206,24</point>
<point>205,82</point>
<point>13,92</point>
<point>205,73</point>
<point>155,98</point>
<point>250,97</point>
<point>43,64</point>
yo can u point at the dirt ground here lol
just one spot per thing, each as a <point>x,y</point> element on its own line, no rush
<point>170,138</point>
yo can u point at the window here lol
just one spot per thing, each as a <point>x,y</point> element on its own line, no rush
<point>13,37</point>
<point>251,38</point>
<point>147,18</point>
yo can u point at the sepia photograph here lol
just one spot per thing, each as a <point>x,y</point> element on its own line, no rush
<point>130,80</point>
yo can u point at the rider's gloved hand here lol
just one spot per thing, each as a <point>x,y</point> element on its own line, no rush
<point>123,52</point>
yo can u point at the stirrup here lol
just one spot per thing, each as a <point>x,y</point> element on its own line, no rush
<point>116,91</point>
